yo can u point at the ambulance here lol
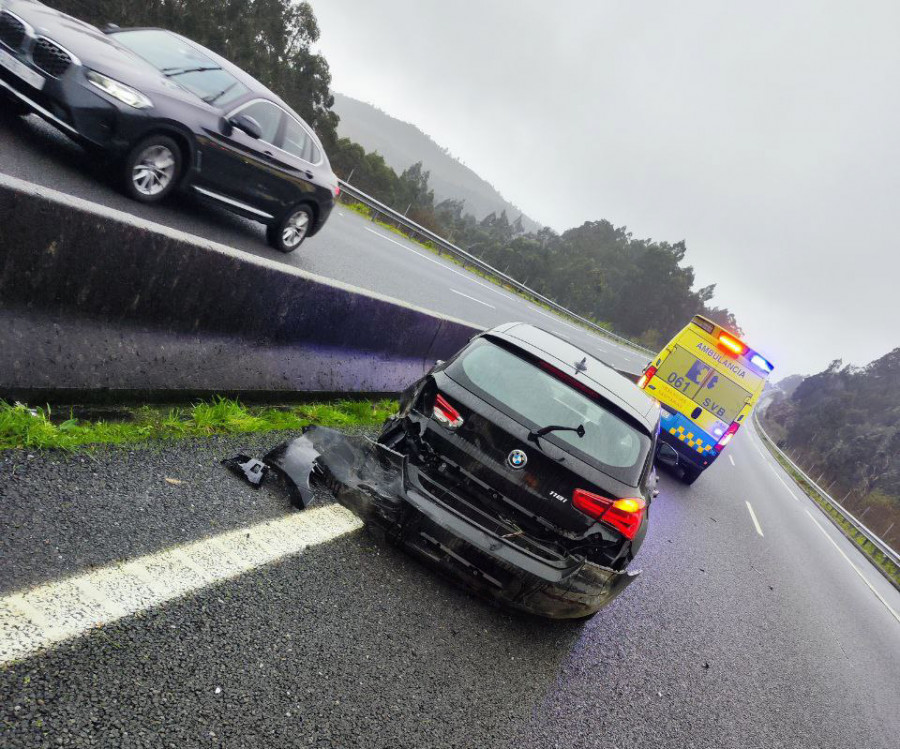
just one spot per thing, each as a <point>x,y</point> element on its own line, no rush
<point>707,381</point>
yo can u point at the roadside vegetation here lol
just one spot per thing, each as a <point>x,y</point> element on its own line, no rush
<point>842,426</point>
<point>25,427</point>
<point>597,270</point>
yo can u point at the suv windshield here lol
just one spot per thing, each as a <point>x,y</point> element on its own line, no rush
<point>537,399</point>
<point>184,63</point>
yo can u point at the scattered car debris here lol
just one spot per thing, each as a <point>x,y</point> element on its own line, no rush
<point>174,482</point>
<point>252,469</point>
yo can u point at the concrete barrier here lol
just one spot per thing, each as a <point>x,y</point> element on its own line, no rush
<point>95,300</point>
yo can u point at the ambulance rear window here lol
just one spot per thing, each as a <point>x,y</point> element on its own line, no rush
<point>700,382</point>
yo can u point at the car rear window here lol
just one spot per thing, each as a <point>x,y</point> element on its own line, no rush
<point>536,398</point>
<point>184,64</point>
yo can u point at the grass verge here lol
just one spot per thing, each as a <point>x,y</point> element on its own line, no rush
<point>366,212</point>
<point>37,428</point>
<point>890,570</point>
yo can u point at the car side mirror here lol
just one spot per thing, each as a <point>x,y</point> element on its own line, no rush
<point>246,124</point>
<point>666,455</point>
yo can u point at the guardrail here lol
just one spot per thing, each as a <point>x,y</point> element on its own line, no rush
<point>869,534</point>
<point>468,258</point>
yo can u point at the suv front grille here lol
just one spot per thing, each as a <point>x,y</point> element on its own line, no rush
<point>50,57</point>
<point>12,30</point>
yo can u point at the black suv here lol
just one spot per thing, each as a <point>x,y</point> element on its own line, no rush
<point>172,113</point>
<point>522,467</point>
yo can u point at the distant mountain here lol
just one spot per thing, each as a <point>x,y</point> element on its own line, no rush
<point>402,145</point>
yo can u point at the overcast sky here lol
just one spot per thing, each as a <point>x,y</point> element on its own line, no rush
<point>765,134</point>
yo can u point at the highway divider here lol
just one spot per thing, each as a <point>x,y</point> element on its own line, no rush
<point>94,301</point>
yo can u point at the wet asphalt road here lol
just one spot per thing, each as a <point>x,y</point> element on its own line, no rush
<point>728,639</point>
<point>733,636</point>
<point>349,248</point>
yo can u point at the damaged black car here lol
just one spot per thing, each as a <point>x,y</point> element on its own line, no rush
<point>522,467</point>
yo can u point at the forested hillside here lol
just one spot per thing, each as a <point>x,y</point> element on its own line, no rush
<point>402,144</point>
<point>634,286</point>
<point>844,424</point>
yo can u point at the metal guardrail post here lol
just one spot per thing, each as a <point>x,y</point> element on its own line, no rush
<point>376,207</point>
<point>870,535</point>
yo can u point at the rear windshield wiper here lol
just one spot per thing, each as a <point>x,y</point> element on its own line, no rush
<point>536,434</point>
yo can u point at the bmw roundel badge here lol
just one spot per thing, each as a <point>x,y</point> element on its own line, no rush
<point>517,459</point>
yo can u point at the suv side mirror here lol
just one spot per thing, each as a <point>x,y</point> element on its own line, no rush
<point>246,124</point>
<point>666,455</point>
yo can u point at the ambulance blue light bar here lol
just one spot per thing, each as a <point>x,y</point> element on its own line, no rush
<point>758,361</point>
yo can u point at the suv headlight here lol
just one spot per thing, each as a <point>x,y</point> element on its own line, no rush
<point>120,91</point>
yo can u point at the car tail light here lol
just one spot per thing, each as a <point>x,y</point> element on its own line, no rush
<point>624,515</point>
<point>646,377</point>
<point>591,504</point>
<point>726,438</point>
<point>337,190</point>
<point>445,415</point>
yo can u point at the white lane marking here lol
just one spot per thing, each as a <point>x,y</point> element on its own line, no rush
<point>855,568</point>
<point>506,295</point>
<point>557,319</point>
<point>753,517</point>
<point>467,276</point>
<point>473,299</point>
<point>730,458</point>
<point>796,499</point>
<point>50,613</point>
<point>770,461</point>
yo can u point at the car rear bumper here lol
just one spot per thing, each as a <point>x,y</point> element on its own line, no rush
<point>378,485</point>
<point>688,455</point>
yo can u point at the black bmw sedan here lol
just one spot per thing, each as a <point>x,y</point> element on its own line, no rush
<point>172,114</point>
<point>522,467</point>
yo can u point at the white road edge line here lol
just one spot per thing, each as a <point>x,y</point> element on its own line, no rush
<point>753,518</point>
<point>731,459</point>
<point>772,463</point>
<point>473,299</point>
<point>52,612</point>
<point>468,276</point>
<point>855,568</point>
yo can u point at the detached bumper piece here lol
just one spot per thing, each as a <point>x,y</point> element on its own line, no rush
<point>377,484</point>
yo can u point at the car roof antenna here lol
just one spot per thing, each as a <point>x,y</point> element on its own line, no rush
<point>581,366</point>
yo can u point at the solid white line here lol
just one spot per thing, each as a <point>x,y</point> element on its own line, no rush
<point>855,568</point>
<point>467,276</point>
<point>753,517</point>
<point>730,458</point>
<point>796,499</point>
<point>52,612</point>
<point>506,295</point>
<point>473,299</point>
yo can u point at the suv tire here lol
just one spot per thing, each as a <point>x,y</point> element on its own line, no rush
<point>152,169</point>
<point>288,233</point>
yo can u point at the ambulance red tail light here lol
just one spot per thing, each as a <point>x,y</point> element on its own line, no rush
<point>625,515</point>
<point>731,345</point>
<point>726,438</point>
<point>646,377</point>
<point>445,414</point>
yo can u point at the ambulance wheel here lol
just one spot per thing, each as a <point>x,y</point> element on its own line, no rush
<point>690,475</point>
